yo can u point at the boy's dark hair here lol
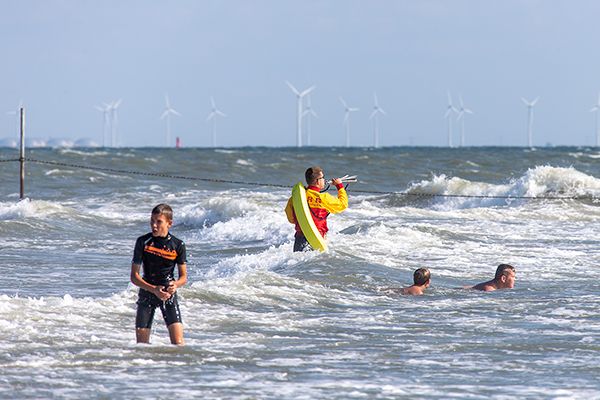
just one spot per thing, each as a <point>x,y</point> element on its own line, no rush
<point>421,276</point>
<point>163,209</point>
<point>501,270</point>
<point>312,174</point>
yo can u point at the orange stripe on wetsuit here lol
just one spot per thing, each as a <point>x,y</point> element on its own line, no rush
<point>163,253</point>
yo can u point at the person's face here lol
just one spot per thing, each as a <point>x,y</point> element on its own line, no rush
<point>160,225</point>
<point>321,181</point>
<point>508,279</point>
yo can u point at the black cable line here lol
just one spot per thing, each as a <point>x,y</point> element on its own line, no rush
<point>263,184</point>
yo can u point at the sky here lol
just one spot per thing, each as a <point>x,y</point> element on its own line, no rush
<point>62,58</point>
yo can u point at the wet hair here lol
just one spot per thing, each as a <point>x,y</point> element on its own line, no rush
<point>502,270</point>
<point>421,276</point>
<point>312,174</point>
<point>163,209</point>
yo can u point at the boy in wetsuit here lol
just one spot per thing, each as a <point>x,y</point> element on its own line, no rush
<point>159,251</point>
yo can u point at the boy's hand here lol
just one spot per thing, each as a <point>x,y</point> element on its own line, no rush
<point>172,288</point>
<point>161,293</point>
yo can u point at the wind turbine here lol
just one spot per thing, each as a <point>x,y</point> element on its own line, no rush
<point>167,114</point>
<point>105,121</point>
<point>299,96</point>
<point>214,112</point>
<point>113,107</point>
<point>308,111</point>
<point>347,111</point>
<point>461,117</point>
<point>376,110</point>
<point>448,115</point>
<point>530,119</point>
<point>17,114</point>
<point>596,109</point>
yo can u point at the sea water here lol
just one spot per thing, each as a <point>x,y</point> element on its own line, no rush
<point>262,322</point>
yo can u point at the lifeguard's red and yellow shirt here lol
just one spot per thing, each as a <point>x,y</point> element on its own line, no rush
<point>320,204</point>
<point>158,257</point>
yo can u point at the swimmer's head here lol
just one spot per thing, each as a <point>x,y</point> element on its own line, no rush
<point>421,276</point>
<point>505,276</point>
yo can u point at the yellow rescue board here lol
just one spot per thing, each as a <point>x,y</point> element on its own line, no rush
<point>305,220</point>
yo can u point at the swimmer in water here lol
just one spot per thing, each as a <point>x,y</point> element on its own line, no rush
<point>504,279</point>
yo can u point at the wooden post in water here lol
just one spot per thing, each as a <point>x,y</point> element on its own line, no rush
<point>22,153</point>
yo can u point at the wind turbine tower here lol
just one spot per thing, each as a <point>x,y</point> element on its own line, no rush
<point>448,115</point>
<point>376,110</point>
<point>461,117</point>
<point>347,111</point>
<point>214,113</point>
<point>167,115</point>
<point>308,111</point>
<point>530,105</point>
<point>596,109</point>
<point>105,121</point>
<point>17,114</point>
<point>299,96</point>
<point>113,107</point>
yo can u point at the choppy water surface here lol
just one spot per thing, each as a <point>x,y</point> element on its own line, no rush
<point>262,322</point>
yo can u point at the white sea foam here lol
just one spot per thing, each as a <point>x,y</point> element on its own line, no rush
<point>30,208</point>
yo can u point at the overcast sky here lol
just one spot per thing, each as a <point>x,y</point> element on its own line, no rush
<point>62,58</point>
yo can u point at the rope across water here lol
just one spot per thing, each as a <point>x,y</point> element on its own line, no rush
<point>263,184</point>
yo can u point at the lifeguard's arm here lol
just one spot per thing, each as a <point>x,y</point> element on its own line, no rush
<point>181,279</point>
<point>138,281</point>
<point>336,205</point>
<point>289,212</point>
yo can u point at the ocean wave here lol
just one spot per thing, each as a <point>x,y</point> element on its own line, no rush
<point>29,208</point>
<point>540,182</point>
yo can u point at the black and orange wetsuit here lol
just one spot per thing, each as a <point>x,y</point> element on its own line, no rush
<point>321,205</point>
<point>158,257</point>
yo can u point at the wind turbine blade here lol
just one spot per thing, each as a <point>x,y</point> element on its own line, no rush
<point>164,114</point>
<point>210,116</point>
<point>375,99</point>
<point>307,91</point>
<point>381,110</point>
<point>460,101</point>
<point>535,101</point>
<point>212,102</point>
<point>468,111</point>
<point>460,115</point>
<point>222,114</point>
<point>97,108</point>
<point>374,113</point>
<point>525,101</point>
<point>595,108</point>
<point>346,116</point>
<point>351,109</point>
<point>175,112</point>
<point>296,92</point>
<point>448,112</point>
<point>343,102</point>
<point>449,98</point>
<point>167,101</point>
<point>117,103</point>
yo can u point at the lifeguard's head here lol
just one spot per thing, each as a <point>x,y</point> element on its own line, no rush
<point>314,177</point>
<point>422,276</point>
